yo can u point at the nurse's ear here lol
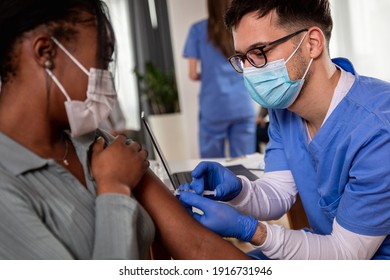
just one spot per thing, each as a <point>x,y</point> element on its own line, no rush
<point>316,42</point>
<point>44,50</point>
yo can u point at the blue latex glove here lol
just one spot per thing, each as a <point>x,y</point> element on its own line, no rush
<point>221,218</point>
<point>213,176</point>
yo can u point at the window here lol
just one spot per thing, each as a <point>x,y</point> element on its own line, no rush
<point>361,34</point>
<point>125,79</point>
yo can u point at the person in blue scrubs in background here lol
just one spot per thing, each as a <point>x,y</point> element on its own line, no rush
<point>329,141</point>
<point>226,111</point>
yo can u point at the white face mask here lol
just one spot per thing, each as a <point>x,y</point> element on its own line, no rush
<point>86,116</point>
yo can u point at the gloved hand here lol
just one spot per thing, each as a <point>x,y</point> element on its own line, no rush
<point>213,176</point>
<point>221,218</point>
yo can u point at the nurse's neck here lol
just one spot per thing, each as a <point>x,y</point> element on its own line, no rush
<point>316,96</point>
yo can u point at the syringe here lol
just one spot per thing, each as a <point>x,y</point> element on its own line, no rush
<point>205,192</point>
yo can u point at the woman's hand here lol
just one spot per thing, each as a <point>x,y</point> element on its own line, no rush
<point>119,167</point>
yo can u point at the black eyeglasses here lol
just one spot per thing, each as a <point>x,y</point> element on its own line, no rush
<point>256,56</point>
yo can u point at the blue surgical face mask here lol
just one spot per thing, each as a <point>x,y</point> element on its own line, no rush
<point>270,86</point>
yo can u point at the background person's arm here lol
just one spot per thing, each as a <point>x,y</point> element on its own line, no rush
<point>193,72</point>
<point>182,236</point>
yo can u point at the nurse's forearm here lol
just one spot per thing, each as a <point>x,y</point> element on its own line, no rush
<point>181,234</point>
<point>281,243</point>
<point>193,69</point>
<point>267,198</point>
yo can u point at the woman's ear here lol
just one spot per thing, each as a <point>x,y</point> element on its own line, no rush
<point>44,51</point>
<point>316,42</point>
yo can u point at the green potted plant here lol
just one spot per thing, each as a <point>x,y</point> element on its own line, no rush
<point>159,89</point>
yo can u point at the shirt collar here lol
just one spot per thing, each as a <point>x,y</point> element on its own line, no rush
<point>17,159</point>
<point>345,64</point>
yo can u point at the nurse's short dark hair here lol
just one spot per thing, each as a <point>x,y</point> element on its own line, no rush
<point>59,16</point>
<point>293,14</point>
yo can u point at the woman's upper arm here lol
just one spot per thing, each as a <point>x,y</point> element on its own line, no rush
<point>181,235</point>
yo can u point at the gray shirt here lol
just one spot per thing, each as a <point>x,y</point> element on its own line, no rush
<point>46,213</point>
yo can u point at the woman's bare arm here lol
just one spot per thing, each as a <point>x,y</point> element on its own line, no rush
<point>193,72</point>
<point>181,235</point>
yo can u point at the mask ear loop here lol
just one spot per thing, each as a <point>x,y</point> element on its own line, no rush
<point>307,69</point>
<point>311,60</point>
<point>55,80</point>
<point>299,45</point>
<point>70,56</point>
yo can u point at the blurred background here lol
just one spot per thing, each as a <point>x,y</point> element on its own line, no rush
<point>153,32</point>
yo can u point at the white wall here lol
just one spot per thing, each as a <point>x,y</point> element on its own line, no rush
<point>182,13</point>
<point>361,33</point>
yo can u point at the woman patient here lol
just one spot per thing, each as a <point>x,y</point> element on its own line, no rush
<point>63,193</point>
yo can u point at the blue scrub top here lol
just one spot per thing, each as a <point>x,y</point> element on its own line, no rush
<point>223,95</point>
<point>344,172</point>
